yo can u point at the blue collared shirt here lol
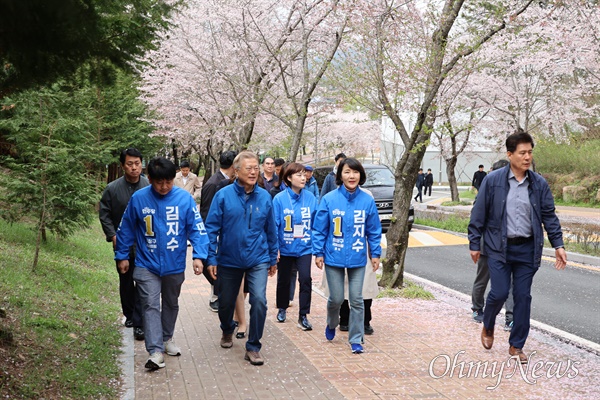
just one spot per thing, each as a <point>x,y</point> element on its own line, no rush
<point>518,208</point>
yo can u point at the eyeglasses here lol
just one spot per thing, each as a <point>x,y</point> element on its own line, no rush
<point>250,169</point>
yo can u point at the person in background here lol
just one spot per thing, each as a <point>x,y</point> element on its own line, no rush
<point>243,243</point>
<point>294,210</point>
<point>478,177</point>
<point>112,206</point>
<point>311,183</point>
<point>210,187</point>
<point>428,182</point>
<point>279,162</point>
<point>187,180</point>
<point>482,277</point>
<point>514,206</point>
<point>269,177</point>
<point>159,220</point>
<point>346,222</point>
<point>329,183</point>
<point>420,183</point>
<point>280,185</point>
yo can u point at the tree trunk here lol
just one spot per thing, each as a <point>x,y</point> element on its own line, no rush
<point>450,168</point>
<point>297,135</point>
<point>393,264</point>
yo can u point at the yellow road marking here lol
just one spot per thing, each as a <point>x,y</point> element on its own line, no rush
<point>439,239</point>
<point>573,264</point>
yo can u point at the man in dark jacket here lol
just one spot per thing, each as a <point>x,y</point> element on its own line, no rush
<point>428,182</point>
<point>420,183</point>
<point>209,189</point>
<point>512,205</point>
<point>478,177</point>
<point>112,206</point>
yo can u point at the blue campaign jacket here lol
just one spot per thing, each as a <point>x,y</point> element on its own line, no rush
<point>313,187</point>
<point>488,216</point>
<point>291,209</point>
<point>241,228</point>
<point>160,227</point>
<point>344,224</point>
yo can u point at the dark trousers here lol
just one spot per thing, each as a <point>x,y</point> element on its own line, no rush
<point>284,271</point>
<point>345,312</point>
<point>130,299</point>
<point>519,265</point>
<point>482,278</point>
<point>210,279</point>
<point>229,282</point>
<point>419,194</point>
<point>425,191</point>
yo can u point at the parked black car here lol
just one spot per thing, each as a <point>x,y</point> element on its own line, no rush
<point>380,182</point>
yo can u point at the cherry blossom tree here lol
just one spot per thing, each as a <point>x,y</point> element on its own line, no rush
<point>396,60</point>
<point>224,64</point>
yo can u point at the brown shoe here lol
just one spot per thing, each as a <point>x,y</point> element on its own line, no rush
<point>487,338</point>
<point>514,351</point>
<point>227,340</point>
<point>254,357</point>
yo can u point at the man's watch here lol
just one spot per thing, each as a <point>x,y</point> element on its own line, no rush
<point>559,247</point>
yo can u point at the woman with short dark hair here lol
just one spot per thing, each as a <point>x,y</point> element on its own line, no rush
<point>294,208</point>
<point>345,224</point>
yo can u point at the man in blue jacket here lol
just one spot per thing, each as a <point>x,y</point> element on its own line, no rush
<point>512,204</point>
<point>159,220</point>
<point>329,182</point>
<point>243,242</point>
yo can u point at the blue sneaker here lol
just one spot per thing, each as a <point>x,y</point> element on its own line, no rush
<point>478,316</point>
<point>357,348</point>
<point>329,333</point>
<point>281,315</point>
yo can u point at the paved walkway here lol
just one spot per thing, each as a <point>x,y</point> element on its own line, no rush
<point>420,350</point>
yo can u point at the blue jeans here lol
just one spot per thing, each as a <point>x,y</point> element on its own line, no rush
<point>519,265</point>
<point>335,282</point>
<point>229,281</point>
<point>159,325</point>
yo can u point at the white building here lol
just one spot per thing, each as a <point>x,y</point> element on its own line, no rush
<point>468,162</point>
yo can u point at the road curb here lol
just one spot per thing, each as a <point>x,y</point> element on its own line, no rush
<point>126,360</point>
<point>556,333</point>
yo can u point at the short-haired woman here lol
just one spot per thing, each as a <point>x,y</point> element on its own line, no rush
<point>294,208</point>
<point>345,223</point>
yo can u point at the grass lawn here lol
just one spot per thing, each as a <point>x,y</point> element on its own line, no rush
<point>59,324</point>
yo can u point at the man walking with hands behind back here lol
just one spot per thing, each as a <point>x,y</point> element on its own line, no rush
<point>112,206</point>
<point>512,205</point>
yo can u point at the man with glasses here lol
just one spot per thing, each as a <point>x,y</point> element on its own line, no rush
<point>243,242</point>
<point>112,206</point>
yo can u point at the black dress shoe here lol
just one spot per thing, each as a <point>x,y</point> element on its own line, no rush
<point>128,323</point>
<point>138,333</point>
<point>240,335</point>
<point>344,328</point>
<point>369,330</point>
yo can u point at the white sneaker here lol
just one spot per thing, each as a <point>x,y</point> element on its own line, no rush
<point>155,361</point>
<point>171,348</point>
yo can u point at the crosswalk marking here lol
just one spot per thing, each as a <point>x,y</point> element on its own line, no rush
<point>418,238</point>
<point>434,238</point>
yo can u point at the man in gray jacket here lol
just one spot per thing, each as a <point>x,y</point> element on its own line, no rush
<point>112,206</point>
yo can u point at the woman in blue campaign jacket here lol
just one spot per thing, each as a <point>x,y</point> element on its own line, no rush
<point>346,221</point>
<point>294,210</point>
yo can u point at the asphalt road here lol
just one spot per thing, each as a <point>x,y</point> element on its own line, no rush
<point>568,300</point>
